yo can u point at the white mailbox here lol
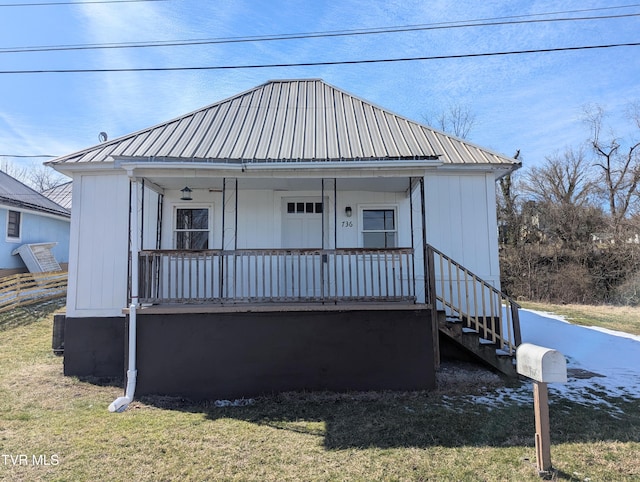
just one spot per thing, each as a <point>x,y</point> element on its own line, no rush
<point>541,364</point>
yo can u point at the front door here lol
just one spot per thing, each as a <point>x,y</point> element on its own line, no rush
<point>302,273</point>
<point>302,223</point>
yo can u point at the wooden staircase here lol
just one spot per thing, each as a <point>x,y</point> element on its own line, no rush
<point>478,317</point>
<point>481,348</point>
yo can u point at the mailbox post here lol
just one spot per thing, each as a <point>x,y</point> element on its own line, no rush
<point>543,366</point>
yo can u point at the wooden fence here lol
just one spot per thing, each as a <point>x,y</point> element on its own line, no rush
<point>27,288</point>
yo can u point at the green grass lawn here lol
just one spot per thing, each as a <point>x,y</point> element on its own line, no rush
<point>619,318</point>
<point>441,435</point>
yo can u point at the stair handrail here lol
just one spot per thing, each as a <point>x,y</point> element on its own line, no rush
<point>485,314</point>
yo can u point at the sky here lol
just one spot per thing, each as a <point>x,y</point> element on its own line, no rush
<point>529,102</point>
<point>598,361</point>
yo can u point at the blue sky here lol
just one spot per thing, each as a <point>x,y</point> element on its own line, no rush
<point>531,102</point>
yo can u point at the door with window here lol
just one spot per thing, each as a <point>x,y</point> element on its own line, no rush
<point>302,274</point>
<point>302,223</point>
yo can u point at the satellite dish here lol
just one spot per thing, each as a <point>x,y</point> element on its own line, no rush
<point>102,137</point>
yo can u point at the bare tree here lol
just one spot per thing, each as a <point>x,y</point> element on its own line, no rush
<point>564,179</point>
<point>457,119</point>
<point>618,161</point>
<point>21,173</point>
<point>42,178</point>
<point>509,213</point>
<point>39,177</point>
<point>563,190</point>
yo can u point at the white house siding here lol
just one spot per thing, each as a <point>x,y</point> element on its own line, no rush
<point>260,216</point>
<point>461,213</point>
<point>99,243</point>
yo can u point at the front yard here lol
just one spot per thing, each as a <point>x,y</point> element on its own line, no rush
<point>58,428</point>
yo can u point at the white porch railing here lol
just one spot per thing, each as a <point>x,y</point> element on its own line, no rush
<point>276,275</point>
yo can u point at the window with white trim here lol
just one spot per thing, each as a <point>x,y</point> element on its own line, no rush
<point>379,228</point>
<point>192,228</point>
<point>13,224</point>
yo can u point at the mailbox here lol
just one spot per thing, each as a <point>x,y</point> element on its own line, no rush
<point>541,364</point>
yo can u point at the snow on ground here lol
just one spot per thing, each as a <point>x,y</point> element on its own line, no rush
<point>600,362</point>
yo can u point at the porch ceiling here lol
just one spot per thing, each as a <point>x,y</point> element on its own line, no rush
<point>375,184</point>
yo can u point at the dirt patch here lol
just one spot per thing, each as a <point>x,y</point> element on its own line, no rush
<point>463,378</point>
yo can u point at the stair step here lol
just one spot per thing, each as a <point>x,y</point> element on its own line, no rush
<point>469,330</point>
<point>484,341</point>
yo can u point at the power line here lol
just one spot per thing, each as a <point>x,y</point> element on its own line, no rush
<point>489,22</point>
<point>315,64</point>
<point>48,4</point>
<point>23,156</point>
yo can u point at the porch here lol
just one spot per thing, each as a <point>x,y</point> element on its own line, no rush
<point>453,300</point>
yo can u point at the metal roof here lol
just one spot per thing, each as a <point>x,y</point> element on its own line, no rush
<point>60,194</point>
<point>289,120</point>
<point>14,193</point>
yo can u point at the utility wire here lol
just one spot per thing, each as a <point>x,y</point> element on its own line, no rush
<point>48,4</point>
<point>313,64</point>
<point>23,156</point>
<point>490,22</point>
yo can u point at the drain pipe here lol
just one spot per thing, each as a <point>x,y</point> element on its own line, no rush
<point>120,404</point>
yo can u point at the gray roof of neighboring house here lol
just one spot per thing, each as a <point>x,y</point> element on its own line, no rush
<point>60,194</point>
<point>296,120</point>
<point>14,193</point>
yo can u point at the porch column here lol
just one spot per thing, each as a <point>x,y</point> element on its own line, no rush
<point>135,237</point>
<point>429,280</point>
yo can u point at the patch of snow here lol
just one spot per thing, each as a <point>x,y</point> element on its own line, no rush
<point>241,402</point>
<point>600,363</point>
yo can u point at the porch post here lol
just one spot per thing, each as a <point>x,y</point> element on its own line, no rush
<point>429,281</point>
<point>413,265</point>
<point>221,258</point>
<point>322,256</point>
<point>335,213</point>
<point>142,214</point>
<point>159,221</point>
<point>135,240</point>
<point>323,209</point>
<point>235,227</point>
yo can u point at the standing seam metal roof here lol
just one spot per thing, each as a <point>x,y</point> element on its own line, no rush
<point>292,120</point>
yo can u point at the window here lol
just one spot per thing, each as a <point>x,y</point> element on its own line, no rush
<point>13,224</point>
<point>304,208</point>
<point>379,228</point>
<point>192,228</point>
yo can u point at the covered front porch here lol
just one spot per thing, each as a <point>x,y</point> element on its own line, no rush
<point>208,238</point>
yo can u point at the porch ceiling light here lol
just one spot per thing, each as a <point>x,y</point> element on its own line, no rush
<point>348,211</point>
<point>186,194</point>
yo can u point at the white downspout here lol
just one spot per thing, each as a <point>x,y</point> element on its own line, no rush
<point>120,404</point>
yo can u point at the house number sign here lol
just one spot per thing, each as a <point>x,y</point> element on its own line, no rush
<point>347,224</point>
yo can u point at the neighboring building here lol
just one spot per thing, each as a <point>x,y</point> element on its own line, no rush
<point>279,244</point>
<point>61,194</point>
<point>28,217</point>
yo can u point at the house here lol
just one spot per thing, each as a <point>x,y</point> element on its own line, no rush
<point>281,239</point>
<point>32,224</point>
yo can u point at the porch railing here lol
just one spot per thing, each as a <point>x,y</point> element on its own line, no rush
<point>465,297</point>
<point>276,275</point>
